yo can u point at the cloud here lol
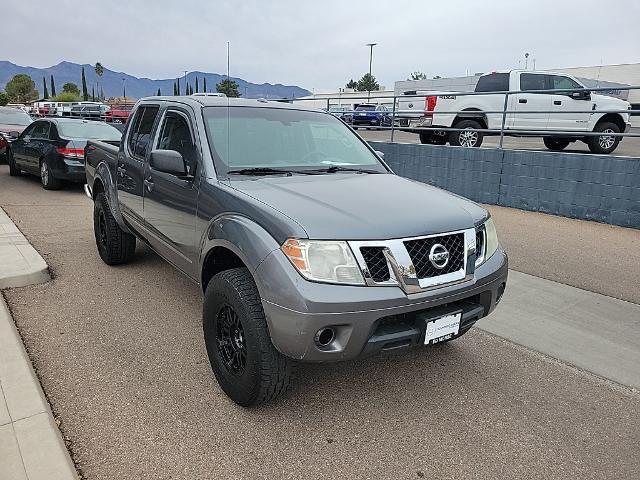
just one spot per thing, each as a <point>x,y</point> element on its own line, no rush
<point>320,44</point>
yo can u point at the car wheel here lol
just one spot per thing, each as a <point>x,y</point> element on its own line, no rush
<point>49,182</point>
<point>604,144</point>
<point>244,361</point>
<point>555,144</point>
<point>468,136</point>
<point>115,246</point>
<point>14,171</point>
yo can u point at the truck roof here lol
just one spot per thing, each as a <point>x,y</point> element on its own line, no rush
<point>207,101</point>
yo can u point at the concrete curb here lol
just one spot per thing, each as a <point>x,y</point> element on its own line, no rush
<point>31,446</point>
<point>20,264</point>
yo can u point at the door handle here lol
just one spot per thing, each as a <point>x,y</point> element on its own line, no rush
<point>149,184</point>
<point>557,102</point>
<point>121,170</point>
<point>522,100</point>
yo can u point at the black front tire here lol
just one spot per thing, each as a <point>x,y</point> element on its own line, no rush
<point>556,144</point>
<point>604,144</point>
<point>468,136</point>
<point>14,171</point>
<point>115,246</point>
<point>262,373</point>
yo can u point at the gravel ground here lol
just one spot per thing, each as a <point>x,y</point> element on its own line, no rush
<point>120,355</point>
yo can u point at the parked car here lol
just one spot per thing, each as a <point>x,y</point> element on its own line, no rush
<point>90,111</point>
<point>118,113</point>
<point>12,122</point>
<point>283,216</point>
<point>371,115</point>
<point>343,113</point>
<point>53,148</point>
<point>575,109</point>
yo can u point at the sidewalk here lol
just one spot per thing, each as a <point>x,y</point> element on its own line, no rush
<point>31,447</point>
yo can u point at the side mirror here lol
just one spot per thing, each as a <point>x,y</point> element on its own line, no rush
<point>581,95</point>
<point>14,135</point>
<point>380,154</point>
<point>168,161</point>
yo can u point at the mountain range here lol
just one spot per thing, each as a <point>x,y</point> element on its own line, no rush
<point>112,82</point>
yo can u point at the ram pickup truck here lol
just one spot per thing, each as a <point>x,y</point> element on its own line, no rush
<point>306,245</point>
<point>560,117</point>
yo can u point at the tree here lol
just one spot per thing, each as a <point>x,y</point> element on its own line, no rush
<point>44,87</point>
<point>175,89</point>
<point>159,93</point>
<point>67,97</point>
<point>53,87</point>
<point>85,93</point>
<point>352,84</point>
<point>368,83</point>
<point>418,76</point>
<point>197,85</point>
<point>93,93</point>
<point>178,85</point>
<point>4,99</point>
<point>228,87</point>
<point>21,89</point>
<point>204,84</point>
<point>99,70</point>
<point>71,88</point>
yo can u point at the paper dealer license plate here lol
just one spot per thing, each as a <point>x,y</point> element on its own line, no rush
<point>442,328</point>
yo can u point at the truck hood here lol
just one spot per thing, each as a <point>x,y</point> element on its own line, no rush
<point>362,206</point>
<point>604,102</point>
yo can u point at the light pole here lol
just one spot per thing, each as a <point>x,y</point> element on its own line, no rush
<point>526,61</point>
<point>370,45</point>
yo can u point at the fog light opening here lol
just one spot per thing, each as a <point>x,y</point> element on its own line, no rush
<point>500,293</point>
<point>325,336</point>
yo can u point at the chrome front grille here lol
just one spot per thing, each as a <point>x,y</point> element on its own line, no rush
<point>407,262</point>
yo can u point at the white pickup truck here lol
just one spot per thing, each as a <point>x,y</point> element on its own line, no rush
<point>570,111</point>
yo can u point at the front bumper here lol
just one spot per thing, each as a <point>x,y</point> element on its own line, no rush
<point>366,320</point>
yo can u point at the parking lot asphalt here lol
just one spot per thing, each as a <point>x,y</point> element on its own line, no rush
<point>120,355</point>
<point>629,147</point>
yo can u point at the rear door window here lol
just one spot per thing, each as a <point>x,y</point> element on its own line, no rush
<point>141,129</point>
<point>533,81</point>
<point>495,82</point>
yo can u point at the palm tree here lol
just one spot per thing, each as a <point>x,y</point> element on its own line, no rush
<point>99,69</point>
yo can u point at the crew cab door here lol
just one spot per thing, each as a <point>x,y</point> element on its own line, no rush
<point>170,197</point>
<point>569,112</point>
<point>130,165</point>
<point>528,104</point>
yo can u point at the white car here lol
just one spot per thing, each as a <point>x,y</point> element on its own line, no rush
<point>559,117</point>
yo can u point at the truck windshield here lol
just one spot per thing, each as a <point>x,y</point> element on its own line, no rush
<point>276,138</point>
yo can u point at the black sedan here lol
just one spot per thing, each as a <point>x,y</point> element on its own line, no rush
<point>53,148</point>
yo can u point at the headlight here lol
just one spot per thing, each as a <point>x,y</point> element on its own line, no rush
<point>490,239</point>
<point>324,261</point>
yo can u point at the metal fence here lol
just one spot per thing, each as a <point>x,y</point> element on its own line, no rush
<point>397,116</point>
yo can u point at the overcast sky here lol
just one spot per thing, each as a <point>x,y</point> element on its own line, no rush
<point>319,44</point>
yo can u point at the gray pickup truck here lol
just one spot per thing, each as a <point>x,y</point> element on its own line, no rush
<point>306,245</point>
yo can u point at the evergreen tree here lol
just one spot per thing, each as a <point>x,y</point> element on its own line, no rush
<point>46,92</point>
<point>196,84</point>
<point>159,93</point>
<point>228,87</point>
<point>204,84</point>
<point>175,89</point>
<point>53,87</point>
<point>352,84</point>
<point>85,93</point>
<point>178,85</point>
<point>93,94</point>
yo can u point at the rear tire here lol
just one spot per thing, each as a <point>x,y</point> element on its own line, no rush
<point>14,171</point>
<point>48,181</point>
<point>555,144</point>
<point>244,361</point>
<point>604,144</point>
<point>468,136</point>
<point>115,246</point>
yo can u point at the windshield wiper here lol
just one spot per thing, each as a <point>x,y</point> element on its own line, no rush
<point>261,171</point>
<point>339,168</point>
